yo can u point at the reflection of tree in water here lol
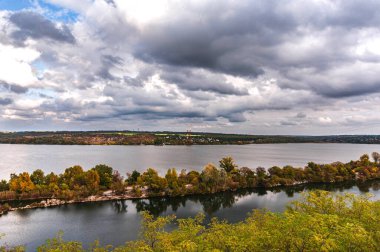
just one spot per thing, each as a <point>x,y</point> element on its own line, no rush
<point>260,191</point>
<point>154,206</point>
<point>177,202</point>
<point>332,187</point>
<point>210,203</point>
<point>376,185</point>
<point>120,206</point>
<point>214,202</point>
<point>365,187</point>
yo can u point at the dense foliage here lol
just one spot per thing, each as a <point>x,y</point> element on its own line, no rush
<point>75,183</point>
<point>320,221</point>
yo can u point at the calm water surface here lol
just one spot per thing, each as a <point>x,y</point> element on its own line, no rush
<point>18,158</point>
<point>119,221</point>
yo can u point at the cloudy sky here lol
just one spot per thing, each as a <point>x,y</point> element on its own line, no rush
<point>258,66</point>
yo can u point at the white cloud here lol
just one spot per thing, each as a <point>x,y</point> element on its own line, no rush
<point>143,12</point>
<point>15,65</point>
<point>325,120</point>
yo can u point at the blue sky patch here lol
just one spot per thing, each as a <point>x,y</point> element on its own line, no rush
<point>14,5</point>
<point>58,13</point>
<point>53,12</point>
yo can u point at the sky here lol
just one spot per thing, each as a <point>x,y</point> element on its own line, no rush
<point>300,67</point>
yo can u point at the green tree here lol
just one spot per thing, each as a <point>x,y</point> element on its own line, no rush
<point>247,177</point>
<point>38,177</point>
<point>73,177</point>
<point>117,183</point>
<point>172,181</point>
<point>261,174</point>
<point>105,175</point>
<point>228,164</point>
<point>364,160</point>
<point>152,229</point>
<point>211,178</point>
<point>58,244</point>
<point>92,180</point>
<point>4,185</point>
<point>275,171</point>
<point>193,177</point>
<point>132,178</point>
<point>52,181</point>
<point>153,181</point>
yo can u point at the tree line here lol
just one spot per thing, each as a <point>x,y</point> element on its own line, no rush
<point>76,183</point>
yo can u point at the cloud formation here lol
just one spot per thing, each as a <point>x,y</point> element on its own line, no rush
<point>34,25</point>
<point>5,101</point>
<point>262,66</point>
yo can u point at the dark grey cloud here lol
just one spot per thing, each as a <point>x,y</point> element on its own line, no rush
<point>350,14</point>
<point>18,89</point>
<point>5,101</point>
<point>34,25</point>
<point>144,74</point>
<point>187,79</point>
<point>301,115</point>
<point>108,62</point>
<point>259,35</point>
<point>142,113</point>
<point>349,90</point>
<point>111,2</point>
<point>62,105</point>
<point>236,117</point>
<point>14,88</point>
<point>356,80</point>
<point>215,40</point>
<point>288,123</point>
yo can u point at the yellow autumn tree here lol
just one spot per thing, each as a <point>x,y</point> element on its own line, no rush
<point>21,183</point>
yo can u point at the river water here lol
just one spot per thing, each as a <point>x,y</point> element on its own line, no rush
<point>116,222</point>
<point>18,158</point>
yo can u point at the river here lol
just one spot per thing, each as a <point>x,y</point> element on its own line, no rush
<point>55,158</point>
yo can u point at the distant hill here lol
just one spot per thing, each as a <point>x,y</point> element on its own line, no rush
<point>169,138</point>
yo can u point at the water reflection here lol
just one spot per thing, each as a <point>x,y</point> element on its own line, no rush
<point>120,206</point>
<point>213,203</point>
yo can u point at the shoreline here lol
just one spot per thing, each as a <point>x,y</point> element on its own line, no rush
<point>195,144</point>
<point>51,202</point>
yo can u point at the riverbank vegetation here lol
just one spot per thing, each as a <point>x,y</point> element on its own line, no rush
<point>319,221</point>
<point>102,180</point>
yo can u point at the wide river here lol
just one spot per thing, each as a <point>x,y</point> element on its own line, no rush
<point>19,158</point>
<point>119,221</point>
